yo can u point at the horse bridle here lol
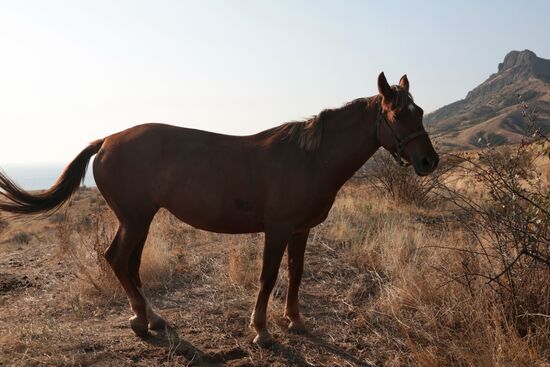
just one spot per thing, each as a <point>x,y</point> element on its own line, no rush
<point>400,143</point>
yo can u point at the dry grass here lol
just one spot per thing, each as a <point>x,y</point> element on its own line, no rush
<point>245,261</point>
<point>84,239</point>
<point>408,307</point>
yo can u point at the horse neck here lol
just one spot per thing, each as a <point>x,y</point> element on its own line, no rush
<point>349,140</point>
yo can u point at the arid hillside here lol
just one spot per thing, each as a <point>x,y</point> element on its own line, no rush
<point>490,113</point>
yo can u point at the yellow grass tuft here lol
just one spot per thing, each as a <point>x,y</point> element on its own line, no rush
<point>244,261</point>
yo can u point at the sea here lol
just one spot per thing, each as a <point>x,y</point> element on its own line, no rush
<point>39,176</point>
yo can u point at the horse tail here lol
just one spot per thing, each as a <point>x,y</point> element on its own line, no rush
<point>17,200</point>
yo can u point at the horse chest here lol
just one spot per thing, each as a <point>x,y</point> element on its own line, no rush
<point>320,216</point>
<point>310,213</point>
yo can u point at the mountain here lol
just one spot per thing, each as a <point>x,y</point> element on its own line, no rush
<point>490,114</point>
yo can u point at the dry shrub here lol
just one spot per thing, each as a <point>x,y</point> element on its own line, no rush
<point>56,218</point>
<point>84,240</point>
<point>508,227</point>
<point>440,323</point>
<point>3,224</point>
<point>21,237</point>
<point>405,299</point>
<point>402,184</point>
<point>96,198</point>
<point>445,327</point>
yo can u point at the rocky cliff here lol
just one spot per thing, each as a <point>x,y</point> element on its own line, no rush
<point>490,114</point>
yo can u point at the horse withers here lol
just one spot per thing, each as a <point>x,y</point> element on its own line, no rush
<point>282,181</point>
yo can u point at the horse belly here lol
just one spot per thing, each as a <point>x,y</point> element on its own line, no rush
<point>229,222</point>
<point>216,211</point>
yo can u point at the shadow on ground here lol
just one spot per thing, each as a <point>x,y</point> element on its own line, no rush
<point>171,341</point>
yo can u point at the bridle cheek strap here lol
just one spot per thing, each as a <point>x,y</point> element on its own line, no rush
<point>400,143</point>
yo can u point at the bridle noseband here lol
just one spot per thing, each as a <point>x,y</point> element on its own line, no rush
<point>400,143</point>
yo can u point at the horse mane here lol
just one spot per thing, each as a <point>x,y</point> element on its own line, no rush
<point>307,134</point>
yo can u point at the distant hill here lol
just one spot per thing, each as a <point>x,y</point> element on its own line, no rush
<point>490,113</point>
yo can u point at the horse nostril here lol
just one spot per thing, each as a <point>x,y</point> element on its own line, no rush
<point>429,163</point>
<point>426,163</point>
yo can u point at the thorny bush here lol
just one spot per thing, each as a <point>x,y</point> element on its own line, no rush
<point>505,212</point>
<point>403,185</point>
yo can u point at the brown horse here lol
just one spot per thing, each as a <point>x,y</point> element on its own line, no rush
<point>281,181</point>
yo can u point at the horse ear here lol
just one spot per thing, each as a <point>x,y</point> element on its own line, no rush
<point>404,83</point>
<point>384,88</point>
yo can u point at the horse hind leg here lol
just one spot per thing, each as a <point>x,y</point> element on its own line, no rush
<point>156,322</point>
<point>119,255</point>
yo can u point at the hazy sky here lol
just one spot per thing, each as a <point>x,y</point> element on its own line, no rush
<point>74,71</point>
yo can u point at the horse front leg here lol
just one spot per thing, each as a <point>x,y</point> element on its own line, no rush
<point>274,248</point>
<point>295,250</point>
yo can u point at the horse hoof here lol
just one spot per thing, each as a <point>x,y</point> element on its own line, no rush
<point>297,327</point>
<point>139,326</point>
<point>263,340</point>
<point>157,323</point>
